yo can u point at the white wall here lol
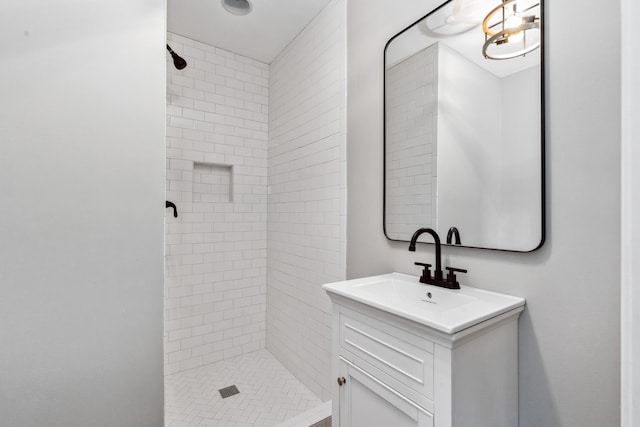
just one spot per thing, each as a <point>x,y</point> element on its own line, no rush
<point>630,320</point>
<point>570,331</point>
<point>82,185</point>
<point>217,177</point>
<point>306,219</point>
<point>520,226</point>
<point>468,136</point>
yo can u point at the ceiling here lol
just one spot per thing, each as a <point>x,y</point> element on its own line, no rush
<point>260,35</point>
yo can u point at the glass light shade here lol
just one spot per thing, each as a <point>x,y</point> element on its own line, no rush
<point>467,12</point>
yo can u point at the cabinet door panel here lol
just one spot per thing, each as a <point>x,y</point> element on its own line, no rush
<point>406,357</point>
<point>368,402</point>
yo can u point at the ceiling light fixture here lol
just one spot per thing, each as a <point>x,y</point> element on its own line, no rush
<point>508,28</point>
<point>237,7</point>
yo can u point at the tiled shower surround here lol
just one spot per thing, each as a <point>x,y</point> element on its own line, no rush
<point>307,222</point>
<point>245,138</point>
<point>411,169</point>
<point>217,176</point>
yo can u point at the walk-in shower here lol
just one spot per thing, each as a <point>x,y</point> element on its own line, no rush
<point>256,157</point>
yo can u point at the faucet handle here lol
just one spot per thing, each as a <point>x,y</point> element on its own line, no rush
<point>426,273</point>
<point>451,275</point>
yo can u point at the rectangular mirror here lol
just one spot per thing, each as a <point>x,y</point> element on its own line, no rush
<point>464,125</point>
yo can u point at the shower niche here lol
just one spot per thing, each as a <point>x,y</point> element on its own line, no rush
<point>212,183</point>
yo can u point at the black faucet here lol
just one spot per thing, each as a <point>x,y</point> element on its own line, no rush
<point>453,231</point>
<point>412,248</point>
<point>437,279</point>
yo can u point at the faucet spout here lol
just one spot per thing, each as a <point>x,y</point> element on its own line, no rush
<point>453,232</point>
<point>436,238</point>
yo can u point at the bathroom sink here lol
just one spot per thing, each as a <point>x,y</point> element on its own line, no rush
<point>446,310</point>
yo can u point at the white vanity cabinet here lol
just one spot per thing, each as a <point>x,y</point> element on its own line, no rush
<point>392,370</point>
<point>367,401</point>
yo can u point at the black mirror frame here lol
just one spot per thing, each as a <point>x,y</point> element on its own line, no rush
<point>543,119</point>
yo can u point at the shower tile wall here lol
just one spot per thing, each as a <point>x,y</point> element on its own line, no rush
<point>307,226</point>
<point>215,291</point>
<point>411,167</point>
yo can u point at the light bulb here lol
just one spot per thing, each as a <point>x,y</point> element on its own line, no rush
<point>511,23</point>
<point>514,21</point>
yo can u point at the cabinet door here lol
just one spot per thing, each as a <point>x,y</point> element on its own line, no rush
<point>365,401</point>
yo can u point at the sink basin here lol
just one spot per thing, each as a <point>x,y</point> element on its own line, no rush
<point>447,310</point>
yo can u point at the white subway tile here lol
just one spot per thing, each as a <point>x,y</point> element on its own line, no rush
<point>180,122</point>
<point>180,80</point>
<point>306,164</point>
<point>211,271</point>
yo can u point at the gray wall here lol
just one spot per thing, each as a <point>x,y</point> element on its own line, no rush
<point>570,333</point>
<point>630,215</point>
<point>81,222</point>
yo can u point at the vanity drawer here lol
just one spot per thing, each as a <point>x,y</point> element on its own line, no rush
<point>404,360</point>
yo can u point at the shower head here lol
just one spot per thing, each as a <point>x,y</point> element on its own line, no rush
<point>179,62</point>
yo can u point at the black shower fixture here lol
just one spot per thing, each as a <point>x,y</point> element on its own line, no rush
<point>179,62</point>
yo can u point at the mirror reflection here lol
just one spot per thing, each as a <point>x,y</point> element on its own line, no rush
<point>463,126</point>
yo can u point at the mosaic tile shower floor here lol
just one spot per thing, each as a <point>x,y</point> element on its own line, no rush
<point>269,394</point>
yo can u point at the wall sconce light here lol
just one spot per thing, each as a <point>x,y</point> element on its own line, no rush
<point>508,28</point>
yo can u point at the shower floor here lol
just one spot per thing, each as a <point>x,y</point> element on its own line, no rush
<point>269,394</point>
